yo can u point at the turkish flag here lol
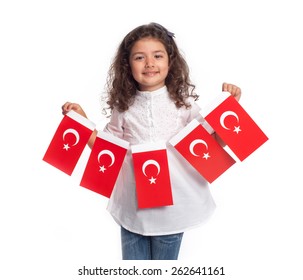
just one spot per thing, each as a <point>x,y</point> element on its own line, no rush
<point>233,124</point>
<point>104,163</point>
<point>152,175</point>
<point>202,151</point>
<point>69,142</point>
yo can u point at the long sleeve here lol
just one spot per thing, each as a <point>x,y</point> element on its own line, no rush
<point>115,125</point>
<point>195,114</point>
<point>194,110</point>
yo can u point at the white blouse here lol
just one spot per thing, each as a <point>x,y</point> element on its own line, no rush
<point>153,117</point>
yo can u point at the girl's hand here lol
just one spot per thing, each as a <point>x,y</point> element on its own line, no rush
<point>66,107</point>
<point>233,90</point>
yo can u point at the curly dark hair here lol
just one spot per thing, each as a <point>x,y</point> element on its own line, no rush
<point>121,86</point>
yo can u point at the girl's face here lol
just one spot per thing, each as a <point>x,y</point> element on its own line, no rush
<point>149,63</point>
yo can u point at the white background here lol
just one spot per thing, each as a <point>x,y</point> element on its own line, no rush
<point>57,51</point>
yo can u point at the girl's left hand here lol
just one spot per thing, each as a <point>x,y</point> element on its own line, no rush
<point>233,90</point>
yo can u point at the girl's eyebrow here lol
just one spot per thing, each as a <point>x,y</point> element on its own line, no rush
<point>141,52</point>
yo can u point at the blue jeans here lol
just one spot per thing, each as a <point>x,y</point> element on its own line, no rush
<point>139,247</point>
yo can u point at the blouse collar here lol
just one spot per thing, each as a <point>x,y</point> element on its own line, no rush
<point>154,93</point>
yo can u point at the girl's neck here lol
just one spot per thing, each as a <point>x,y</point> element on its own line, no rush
<point>159,90</point>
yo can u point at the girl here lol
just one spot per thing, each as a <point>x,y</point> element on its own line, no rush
<point>151,98</point>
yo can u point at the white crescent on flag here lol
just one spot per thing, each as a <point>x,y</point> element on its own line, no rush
<point>150,162</point>
<point>194,143</point>
<point>224,115</point>
<point>109,153</point>
<point>74,132</point>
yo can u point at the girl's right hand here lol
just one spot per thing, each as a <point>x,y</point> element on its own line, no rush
<point>67,106</point>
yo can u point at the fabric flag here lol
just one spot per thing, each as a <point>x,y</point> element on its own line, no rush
<point>202,151</point>
<point>233,124</point>
<point>69,142</point>
<point>152,175</point>
<point>104,163</point>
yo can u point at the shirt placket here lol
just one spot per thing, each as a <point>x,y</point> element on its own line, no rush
<point>151,117</point>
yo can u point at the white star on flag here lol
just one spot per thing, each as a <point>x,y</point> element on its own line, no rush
<point>66,147</point>
<point>152,180</point>
<point>237,129</point>
<point>102,169</point>
<point>206,156</point>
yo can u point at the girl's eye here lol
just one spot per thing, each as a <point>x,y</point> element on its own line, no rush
<point>139,57</point>
<point>158,56</point>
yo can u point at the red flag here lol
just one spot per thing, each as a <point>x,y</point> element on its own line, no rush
<point>69,142</point>
<point>236,128</point>
<point>202,151</point>
<point>104,163</point>
<point>152,175</point>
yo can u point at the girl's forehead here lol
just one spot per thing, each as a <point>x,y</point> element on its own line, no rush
<point>148,43</point>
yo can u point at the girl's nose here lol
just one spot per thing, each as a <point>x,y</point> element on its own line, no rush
<point>149,63</point>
